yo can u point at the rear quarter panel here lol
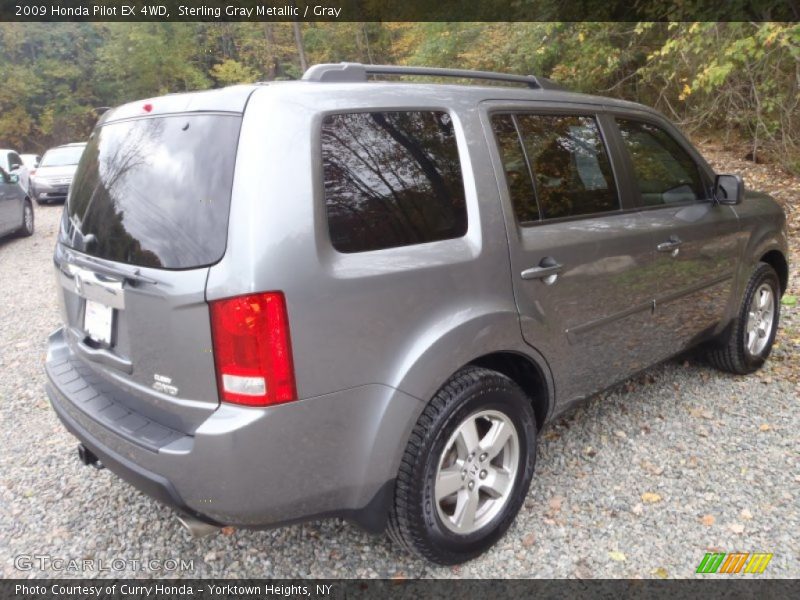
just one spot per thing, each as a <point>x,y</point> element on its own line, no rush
<point>403,317</point>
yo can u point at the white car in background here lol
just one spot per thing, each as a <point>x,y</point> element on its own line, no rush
<point>53,176</point>
<point>30,160</point>
<point>11,162</point>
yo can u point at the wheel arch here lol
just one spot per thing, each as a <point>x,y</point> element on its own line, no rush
<point>489,339</point>
<point>777,261</point>
<point>527,374</point>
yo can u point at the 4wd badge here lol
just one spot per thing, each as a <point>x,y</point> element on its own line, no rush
<point>163,384</point>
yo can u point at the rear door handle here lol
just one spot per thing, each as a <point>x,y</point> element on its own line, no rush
<point>548,273</point>
<point>673,243</point>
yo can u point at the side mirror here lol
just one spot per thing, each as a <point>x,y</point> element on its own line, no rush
<point>13,178</point>
<point>728,189</point>
<point>15,166</point>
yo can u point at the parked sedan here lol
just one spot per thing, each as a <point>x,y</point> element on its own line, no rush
<point>53,177</point>
<point>16,210</point>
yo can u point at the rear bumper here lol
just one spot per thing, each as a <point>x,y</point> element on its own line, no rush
<point>332,455</point>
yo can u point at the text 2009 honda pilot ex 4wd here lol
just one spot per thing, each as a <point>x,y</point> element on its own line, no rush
<point>342,297</point>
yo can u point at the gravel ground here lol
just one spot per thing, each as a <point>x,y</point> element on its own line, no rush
<point>640,481</point>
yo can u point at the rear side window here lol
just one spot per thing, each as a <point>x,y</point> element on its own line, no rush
<point>569,164</point>
<point>155,192</point>
<point>515,165</point>
<point>665,172</point>
<point>392,179</point>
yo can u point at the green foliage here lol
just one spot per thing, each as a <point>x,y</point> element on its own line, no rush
<point>230,72</point>
<point>735,78</point>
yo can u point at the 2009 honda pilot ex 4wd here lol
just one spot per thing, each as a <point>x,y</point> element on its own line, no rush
<point>342,297</point>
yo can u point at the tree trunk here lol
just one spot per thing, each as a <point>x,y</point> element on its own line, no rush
<point>269,36</point>
<point>301,51</point>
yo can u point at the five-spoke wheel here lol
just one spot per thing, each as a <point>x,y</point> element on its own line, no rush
<point>466,469</point>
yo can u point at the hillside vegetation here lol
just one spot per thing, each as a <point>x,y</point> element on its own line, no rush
<point>736,81</point>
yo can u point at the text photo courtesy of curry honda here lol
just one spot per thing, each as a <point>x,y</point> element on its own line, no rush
<point>374,299</point>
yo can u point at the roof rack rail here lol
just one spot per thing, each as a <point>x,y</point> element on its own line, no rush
<point>356,72</point>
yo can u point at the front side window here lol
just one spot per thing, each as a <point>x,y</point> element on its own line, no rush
<point>567,159</point>
<point>391,179</point>
<point>665,172</point>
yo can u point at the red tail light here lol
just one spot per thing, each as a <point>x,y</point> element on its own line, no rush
<point>252,349</point>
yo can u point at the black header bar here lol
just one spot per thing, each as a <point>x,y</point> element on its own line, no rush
<point>399,10</point>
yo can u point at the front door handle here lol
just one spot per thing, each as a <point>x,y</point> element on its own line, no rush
<point>547,271</point>
<point>671,245</point>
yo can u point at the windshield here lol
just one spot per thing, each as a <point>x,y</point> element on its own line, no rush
<point>155,192</point>
<point>62,157</point>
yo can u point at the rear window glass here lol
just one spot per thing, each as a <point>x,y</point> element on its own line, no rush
<point>392,179</point>
<point>155,192</point>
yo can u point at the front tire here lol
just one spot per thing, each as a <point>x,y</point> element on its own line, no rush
<point>750,338</point>
<point>467,468</point>
<point>27,219</point>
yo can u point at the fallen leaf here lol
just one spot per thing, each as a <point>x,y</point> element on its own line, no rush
<point>789,300</point>
<point>555,504</point>
<point>582,570</point>
<point>651,468</point>
<point>528,540</point>
<point>651,497</point>
<point>736,527</point>
<point>638,509</point>
<point>701,413</point>
<point>746,514</point>
<point>616,555</point>
<point>660,572</point>
<point>620,434</point>
<point>227,530</point>
<point>764,427</point>
<point>707,520</point>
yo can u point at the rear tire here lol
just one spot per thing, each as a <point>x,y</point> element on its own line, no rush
<point>467,468</point>
<point>750,338</point>
<point>27,219</point>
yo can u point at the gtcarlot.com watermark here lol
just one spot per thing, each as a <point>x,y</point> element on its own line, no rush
<point>48,562</point>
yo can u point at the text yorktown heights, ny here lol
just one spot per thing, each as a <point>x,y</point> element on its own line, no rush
<point>155,590</point>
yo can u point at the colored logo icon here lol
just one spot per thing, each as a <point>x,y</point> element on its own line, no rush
<point>734,562</point>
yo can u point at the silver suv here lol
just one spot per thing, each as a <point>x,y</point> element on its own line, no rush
<point>342,297</point>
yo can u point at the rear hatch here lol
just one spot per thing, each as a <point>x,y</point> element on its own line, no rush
<point>146,216</point>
